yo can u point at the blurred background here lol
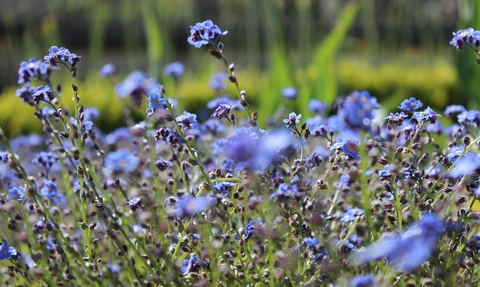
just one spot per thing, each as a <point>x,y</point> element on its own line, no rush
<point>322,48</point>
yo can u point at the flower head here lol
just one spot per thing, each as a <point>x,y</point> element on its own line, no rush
<point>317,106</point>
<point>174,69</point>
<point>162,164</point>
<point>7,252</point>
<point>406,251</point>
<point>204,33</point>
<point>428,115</point>
<point>42,93</point>
<point>293,119</point>
<point>363,281</point>
<point>190,205</point>
<point>107,70</point>
<point>121,161</point>
<point>136,85</point>
<point>351,214</point>
<point>222,111</point>
<point>61,55</point>
<point>30,70</point>
<point>410,105</point>
<point>16,193</point>
<point>289,93</point>
<point>357,110</point>
<point>285,191</point>
<point>135,202</point>
<point>466,37</point>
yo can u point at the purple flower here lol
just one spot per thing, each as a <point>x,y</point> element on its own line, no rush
<point>7,252</point>
<point>61,55</point>
<point>249,229</point>
<point>204,33</point>
<point>162,164</point>
<point>16,193</point>
<point>410,105</point>
<point>289,93</point>
<point>222,111</point>
<point>107,70</point>
<point>174,69</point>
<point>293,120</point>
<point>121,161</point>
<point>351,214</point>
<point>409,250</point>
<point>30,70</point>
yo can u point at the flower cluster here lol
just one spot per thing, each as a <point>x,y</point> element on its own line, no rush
<point>342,198</point>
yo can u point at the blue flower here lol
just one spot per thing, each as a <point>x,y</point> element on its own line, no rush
<point>136,85</point>
<point>42,93</point>
<point>222,111</point>
<point>317,106</point>
<point>469,118</point>
<point>162,164</point>
<point>174,69</point>
<point>26,94</point>
<point>190,205</point>
<point>285,191</point>
<point>30,70</point>
<point>249,229</point>
<point>186,119</point>
<point>234,104</point>
<point>61,55</point>
<point>466,37</point>
<point>135,202</point>
<point>409,250</point>
<point>363,281</point>
<point>348,147</point>
<point>156,101</point>
<point>121,161</point>
<point>50,244</point>
<point>16,193</point>
<point>203,33</point>
<point>107,70</point>
<point>217,81</point>
<point>4,156</point>
<point>396,119</point>
<point>357,109</point>
<point>7,252</point>
<point>410,105</point>
<point>311,242</point>
<point>85,125</point>
<point>49,190</point>
<point>351,214</point>
<point>428,115</point>
<point>454,110</point>
<point>293,119</point>
<point>190,265</point>
<point>289,93</point>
